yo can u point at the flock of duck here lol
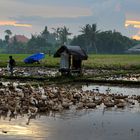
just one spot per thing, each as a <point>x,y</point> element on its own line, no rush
<point>127,77</point>
<point>17,98</point>
<point>28,71</point>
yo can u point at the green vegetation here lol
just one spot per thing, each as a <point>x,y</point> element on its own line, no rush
<point>110,64</point>
<point>91,40</point>
<point>94,61</point>
<point>45,42</point>
<point>113,61</point>
<point>49,61</point>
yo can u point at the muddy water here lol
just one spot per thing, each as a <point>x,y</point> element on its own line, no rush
<point>97,124</point>
<point>81,125</point>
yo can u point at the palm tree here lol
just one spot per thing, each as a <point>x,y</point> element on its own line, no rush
<point>86,33</point>
<point>63,34</point>
<point>90,31</point>
<point>45,34</point>
<point>8,34</point>
<point>56,33</point>
<point>93,38</point>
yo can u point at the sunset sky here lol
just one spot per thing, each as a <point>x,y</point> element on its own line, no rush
<point>31,16</point>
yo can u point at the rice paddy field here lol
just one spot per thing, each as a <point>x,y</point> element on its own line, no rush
<point>112,61</point>
<point>94,61</point>
<point>61,108</point>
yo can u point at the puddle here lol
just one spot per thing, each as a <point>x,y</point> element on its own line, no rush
<point>91,124</point>
<point>113,89</point>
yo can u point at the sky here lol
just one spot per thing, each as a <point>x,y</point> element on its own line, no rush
<point>26,17</point>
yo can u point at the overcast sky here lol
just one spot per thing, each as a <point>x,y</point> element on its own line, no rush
<point>31,16</point>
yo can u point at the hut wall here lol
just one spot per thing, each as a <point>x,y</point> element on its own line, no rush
<point>64,61</point>
<point>76,63</point>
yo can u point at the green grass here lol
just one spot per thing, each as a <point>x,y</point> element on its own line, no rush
<point>49,61</point>
<point>113,61</point>
<point>94,61</point>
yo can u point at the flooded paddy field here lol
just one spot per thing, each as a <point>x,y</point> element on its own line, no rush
<point>108,75</point>
<point>80,125</point>
<point>72,112</point>
<point>31,71</point>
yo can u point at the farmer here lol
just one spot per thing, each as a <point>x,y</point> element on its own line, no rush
<point>12,64</point>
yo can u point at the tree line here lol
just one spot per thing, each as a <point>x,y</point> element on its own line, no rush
<point>90,39</point>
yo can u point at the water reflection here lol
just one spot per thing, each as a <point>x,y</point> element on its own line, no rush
<point>17,127</point>
<point>113,89</point>
<point>100,123</point>
<point>33,127</point>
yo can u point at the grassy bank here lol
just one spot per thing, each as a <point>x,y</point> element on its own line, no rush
<point>49,61</point>
<point>113,61</point>
<point>94,61</point>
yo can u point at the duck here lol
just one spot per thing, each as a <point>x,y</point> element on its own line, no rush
<point>4,108</point>
<point>66,105</point>
<point>90,105</point>
<point>108,90</point>
<point>79,106</point>
<point>108,102</point>
<point>57,107</point>
<point>32,110</point>
<point>120,105</point>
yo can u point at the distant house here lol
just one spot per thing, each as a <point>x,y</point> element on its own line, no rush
<point>134,50</point>
<point>70,58</point>
<point>19,38</point>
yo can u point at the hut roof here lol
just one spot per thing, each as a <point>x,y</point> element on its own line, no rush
<point>72,50</point>
<point>19,38</point>
<point>135,49</point>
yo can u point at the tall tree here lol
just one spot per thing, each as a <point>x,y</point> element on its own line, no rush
<point>45,34</point>
<point>56,33</point>
<point>93,33</point>
<point>90,31</point>
<point>63,35</point>
<point>6,39</point>
<point>8,34</point>
<point>86,33</point>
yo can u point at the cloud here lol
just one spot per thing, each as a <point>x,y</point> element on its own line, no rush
<point>97,14</point>
<point>134,23</point>
<point>14,23</point>
<point>45,10</point>
<point>131,8</point>
<point>81,3</point>
<point>74,14</point>
<point>137,37</point>
<point>38,22</point>
<point>107,14</point>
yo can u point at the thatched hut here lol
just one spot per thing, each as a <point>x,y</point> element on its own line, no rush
<point>71,58</point>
